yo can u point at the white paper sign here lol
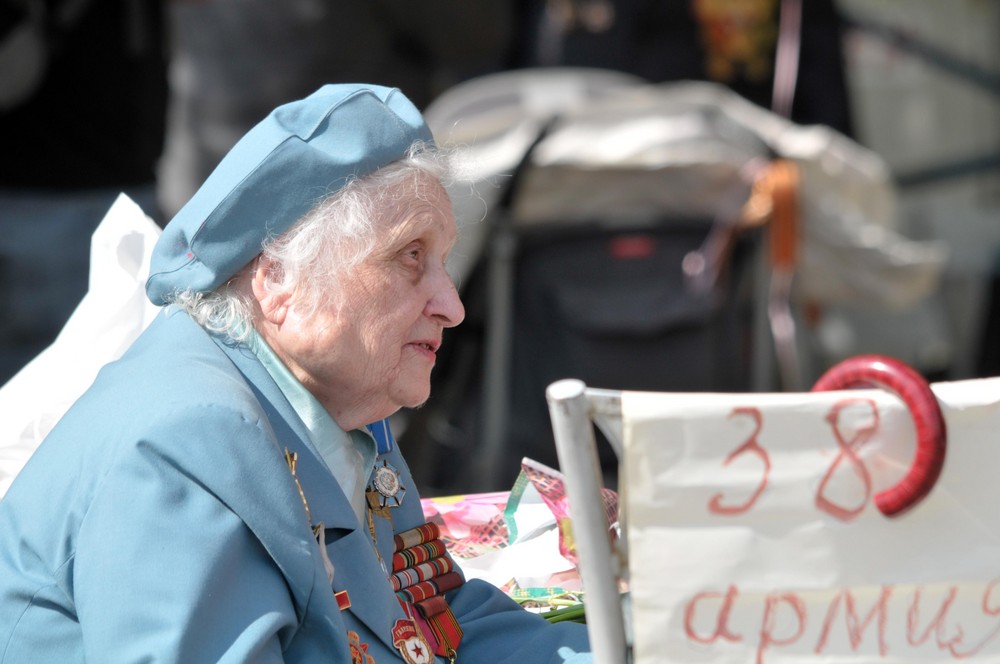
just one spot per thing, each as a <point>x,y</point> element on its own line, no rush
<point>753,537</point>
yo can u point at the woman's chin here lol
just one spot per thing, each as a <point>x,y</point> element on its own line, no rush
<point>414,396</point>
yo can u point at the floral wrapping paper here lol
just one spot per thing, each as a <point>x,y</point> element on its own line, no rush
<point>520,540</point>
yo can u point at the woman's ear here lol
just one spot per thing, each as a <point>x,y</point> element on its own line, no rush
<point>273,306</point>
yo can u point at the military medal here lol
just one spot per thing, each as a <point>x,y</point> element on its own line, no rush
<point>318,530</point>
<point>385,481</point>
<point>410,643</point>
<point>359,651</point>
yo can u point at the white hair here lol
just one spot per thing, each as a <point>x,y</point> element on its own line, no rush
<point>334,236</point>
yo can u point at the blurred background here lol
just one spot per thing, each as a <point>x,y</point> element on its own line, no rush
<point>628,196</point>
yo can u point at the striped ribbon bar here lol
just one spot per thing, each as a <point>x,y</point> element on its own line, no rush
<point>435,617</point>
<point>436,586</point>
<point>422,573</point>
<point>414,536</point>
<point>417,554</point>
<point>434,567</point>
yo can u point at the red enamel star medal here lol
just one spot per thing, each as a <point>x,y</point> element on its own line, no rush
<point>410,643</point>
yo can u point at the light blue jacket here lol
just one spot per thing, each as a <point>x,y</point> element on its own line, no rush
<point>159,522</point>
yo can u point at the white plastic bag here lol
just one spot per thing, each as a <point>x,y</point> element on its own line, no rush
<point>111,315</point>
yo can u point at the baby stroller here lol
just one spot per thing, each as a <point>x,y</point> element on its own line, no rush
<point>619,246</point>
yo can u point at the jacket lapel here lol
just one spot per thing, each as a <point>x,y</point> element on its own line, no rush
<point>326,501</point>
<point>357,569</point>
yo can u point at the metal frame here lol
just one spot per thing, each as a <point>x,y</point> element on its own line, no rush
<point>574,409</point>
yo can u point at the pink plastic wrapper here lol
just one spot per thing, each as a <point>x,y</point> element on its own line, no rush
<point>476,524</point>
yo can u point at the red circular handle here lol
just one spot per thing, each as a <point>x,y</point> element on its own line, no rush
<point>902,380</point>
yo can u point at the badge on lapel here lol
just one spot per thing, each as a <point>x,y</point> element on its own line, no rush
<point>410,643</point>
<point>359,651</point>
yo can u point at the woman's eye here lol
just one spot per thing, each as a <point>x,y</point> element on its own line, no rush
<point>413,253</point>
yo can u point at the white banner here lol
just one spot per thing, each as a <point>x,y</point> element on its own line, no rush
<point>753,535</point>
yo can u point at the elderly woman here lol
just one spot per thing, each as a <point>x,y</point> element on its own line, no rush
<point>229,490</point>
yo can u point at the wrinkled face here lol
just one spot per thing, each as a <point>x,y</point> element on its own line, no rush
<point>371,350</point>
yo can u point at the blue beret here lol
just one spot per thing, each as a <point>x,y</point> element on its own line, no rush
<point>299,154</point>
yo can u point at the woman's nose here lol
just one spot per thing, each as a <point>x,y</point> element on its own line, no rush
<point>445,304</point>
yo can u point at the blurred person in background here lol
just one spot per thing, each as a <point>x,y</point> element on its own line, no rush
<point>731,42</point>
<point>83,98</point>
<point>232,62</point>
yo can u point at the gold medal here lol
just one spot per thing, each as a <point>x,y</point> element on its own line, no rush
<point>359,651</point>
